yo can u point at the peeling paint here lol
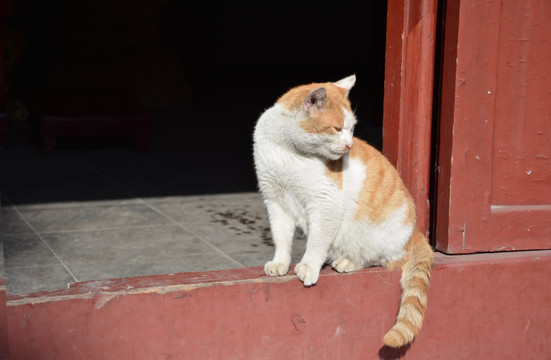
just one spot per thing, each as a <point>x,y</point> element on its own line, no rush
<point>102,299</point>
<point>106,296</point>
<point>528,324</point>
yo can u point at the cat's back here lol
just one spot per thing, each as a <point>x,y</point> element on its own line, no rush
<point>382,191</point>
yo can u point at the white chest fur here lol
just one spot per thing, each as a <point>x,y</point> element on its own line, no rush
<point>295,181</point>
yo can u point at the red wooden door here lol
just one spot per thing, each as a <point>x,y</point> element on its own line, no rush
<point>494,183</point>
<point>409,73</point>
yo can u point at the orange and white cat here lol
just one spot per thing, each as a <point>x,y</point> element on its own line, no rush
<point>342,193</point>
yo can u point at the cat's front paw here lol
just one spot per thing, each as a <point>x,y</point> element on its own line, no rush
<point>276,268</point>
<point>308,274</point>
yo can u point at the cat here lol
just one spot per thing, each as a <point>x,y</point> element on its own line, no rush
<point>343,194</point>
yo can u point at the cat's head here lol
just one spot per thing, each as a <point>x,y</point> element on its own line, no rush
<point>324,121</point>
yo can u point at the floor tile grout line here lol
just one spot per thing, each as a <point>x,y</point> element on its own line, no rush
<point>214,247</point>
<point>71,205</point>
<point>47,246</point>
<point>49,232</point>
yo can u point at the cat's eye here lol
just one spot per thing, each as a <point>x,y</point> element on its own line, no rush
<point>337,129</point>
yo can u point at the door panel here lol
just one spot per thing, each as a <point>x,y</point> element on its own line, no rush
<point>494,185</point>
<point>523,98</point>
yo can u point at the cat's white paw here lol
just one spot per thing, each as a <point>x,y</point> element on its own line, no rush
<point>343,265</point>
<point>307,274</point>
<point>275,268</point>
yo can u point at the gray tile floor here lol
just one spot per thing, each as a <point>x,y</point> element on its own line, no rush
<point>91,214</point>
<point>48,246</point>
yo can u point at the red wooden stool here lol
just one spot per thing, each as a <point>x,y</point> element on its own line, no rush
<point>89,112</point>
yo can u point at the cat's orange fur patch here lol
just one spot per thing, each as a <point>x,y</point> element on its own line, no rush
<point>333,170</point>
<point>326,119</point>
<point>416,240</point>
<point>383,191</point>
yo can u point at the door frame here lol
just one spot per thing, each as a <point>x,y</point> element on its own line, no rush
<point>408,96</point>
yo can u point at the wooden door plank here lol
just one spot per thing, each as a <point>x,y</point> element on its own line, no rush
<point>470,48</point>
<point>409,73</point>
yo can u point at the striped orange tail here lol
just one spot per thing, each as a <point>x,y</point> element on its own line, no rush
<point>415,286</point>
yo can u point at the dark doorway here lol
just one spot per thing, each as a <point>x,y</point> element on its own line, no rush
<point>205,70</point>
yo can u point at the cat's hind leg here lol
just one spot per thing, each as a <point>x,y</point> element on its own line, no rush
<point>344,265</point>
<point>283,230</point>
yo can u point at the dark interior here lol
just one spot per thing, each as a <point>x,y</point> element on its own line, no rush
<point>205,70</point>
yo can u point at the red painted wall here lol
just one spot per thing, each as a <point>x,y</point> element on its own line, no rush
<point>485,306</point>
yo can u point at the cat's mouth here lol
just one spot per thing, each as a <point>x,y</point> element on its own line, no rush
<point>338,154</point>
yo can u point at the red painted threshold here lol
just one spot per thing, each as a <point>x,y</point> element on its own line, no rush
<point>3,322</point>
<point>483,306</point>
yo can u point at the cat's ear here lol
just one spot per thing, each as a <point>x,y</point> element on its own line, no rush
<point>315,99</point>
<point>347,83</point>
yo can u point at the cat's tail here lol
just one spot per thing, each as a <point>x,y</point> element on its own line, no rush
<point>415,286</point>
